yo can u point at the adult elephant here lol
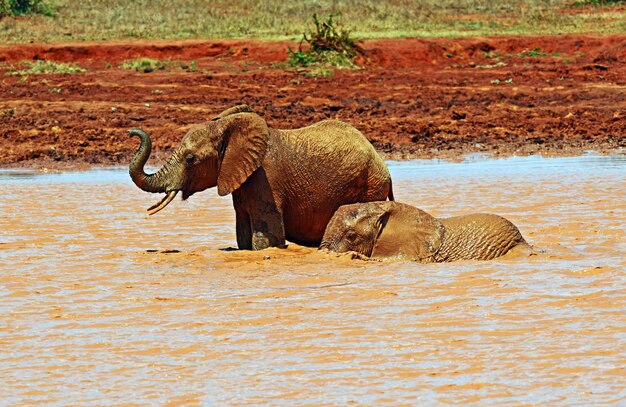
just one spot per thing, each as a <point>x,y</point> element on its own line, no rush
<point>394,230</point>
<point>286,184</point>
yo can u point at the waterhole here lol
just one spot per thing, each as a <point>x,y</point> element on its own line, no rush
<point>101,304</point>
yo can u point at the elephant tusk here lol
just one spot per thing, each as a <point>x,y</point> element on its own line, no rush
<point>163,203</point>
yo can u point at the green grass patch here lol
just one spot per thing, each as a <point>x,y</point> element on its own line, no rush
<point>144,64</point>
<point>324,58</point>
<point>318,72</point>
<point>534,53</point>
<point>537,53</point>
<point>47,67</point>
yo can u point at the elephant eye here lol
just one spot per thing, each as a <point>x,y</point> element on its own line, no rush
<point>189,158</point>
<point>351,235</point>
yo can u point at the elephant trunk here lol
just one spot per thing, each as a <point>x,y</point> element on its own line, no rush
<point>161,181</point>
<point>147,182</point>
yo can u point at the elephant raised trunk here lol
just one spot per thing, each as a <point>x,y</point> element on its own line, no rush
<point>157,182</point>
<point>286,184</point>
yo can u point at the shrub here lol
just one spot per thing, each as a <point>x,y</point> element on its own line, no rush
<point>22,7</point>
<point>328,45</point>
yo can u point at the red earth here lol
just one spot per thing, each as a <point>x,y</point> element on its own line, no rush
<point>505,95</point>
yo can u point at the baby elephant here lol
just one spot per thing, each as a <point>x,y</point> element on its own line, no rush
<point>395,230</point>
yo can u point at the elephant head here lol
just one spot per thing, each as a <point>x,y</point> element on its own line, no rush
<point>354,228</point>
<point>222,152</point>
<point>384,229</point>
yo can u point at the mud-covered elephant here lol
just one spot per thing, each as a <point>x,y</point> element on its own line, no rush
<point>286,184</point>
<point>394,230</point>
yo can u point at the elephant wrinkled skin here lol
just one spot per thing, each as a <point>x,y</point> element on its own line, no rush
<point>286,184</point>
<point>394,230</point>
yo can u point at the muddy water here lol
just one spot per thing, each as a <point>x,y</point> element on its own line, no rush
<point>102,305</point>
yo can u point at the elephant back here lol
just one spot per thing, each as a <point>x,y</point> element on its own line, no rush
<point>479,236</point>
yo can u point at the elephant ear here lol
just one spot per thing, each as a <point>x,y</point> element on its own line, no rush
<point>233,110</point>
<point>379,213</point>
<point>411,232</point>
<point>371,221</point>
<point>428,232</point>
<point>245,143</point>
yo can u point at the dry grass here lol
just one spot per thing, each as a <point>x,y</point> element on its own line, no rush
<point>273,19</point>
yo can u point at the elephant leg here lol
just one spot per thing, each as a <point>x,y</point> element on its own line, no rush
<point>260,222</point>
<point>266,220</point>
<point>258,234</point>
<point>243,229</point>
<point>267,233</point>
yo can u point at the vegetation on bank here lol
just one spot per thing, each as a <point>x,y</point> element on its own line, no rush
<point>147,65</point>
<point>329,45</point>
<point>144,64</point>
<point>76,20</point>
<point>46,67</point>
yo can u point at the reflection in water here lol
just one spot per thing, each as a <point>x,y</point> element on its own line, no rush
<point>102,304</point>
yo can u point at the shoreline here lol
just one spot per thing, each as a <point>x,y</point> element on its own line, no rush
<point>556,95</point>
<point>51,166</point>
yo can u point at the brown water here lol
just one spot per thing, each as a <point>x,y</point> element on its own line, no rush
<point>102,305</point>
